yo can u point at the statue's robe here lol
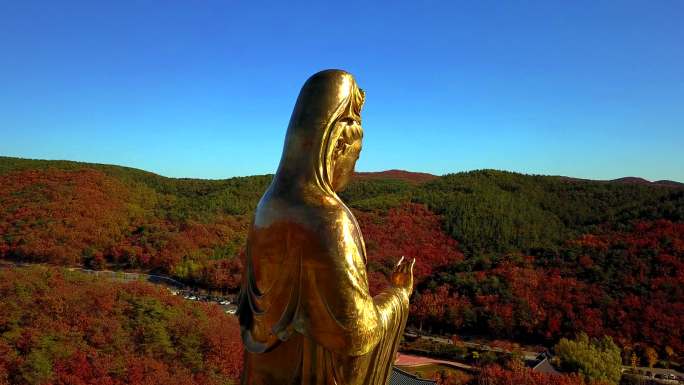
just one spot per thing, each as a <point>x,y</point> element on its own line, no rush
<point>306,311</point>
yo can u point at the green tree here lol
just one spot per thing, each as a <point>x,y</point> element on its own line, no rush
<point>596,360</point>
<point>37,367</point>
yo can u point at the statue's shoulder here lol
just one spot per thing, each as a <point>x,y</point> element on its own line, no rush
<point>322,218</point>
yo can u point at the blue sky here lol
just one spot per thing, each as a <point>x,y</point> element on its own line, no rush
<point>591,89</point>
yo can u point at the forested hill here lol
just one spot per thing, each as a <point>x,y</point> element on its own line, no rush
<point>534,257</point>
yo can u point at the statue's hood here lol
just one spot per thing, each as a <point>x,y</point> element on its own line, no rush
<point>306,164</point>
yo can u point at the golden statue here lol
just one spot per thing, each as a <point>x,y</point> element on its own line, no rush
<point>305,311</point>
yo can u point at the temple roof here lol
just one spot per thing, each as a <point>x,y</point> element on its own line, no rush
<point>400,377</point>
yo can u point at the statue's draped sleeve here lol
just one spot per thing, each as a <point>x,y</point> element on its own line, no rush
<point>336,308</point>
<point>318,288</point>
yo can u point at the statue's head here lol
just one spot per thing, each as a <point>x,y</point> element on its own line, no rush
<point>323,139</point>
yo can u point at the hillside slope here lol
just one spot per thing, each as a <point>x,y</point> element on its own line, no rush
<point>516,256</point>
<point>61,327</point>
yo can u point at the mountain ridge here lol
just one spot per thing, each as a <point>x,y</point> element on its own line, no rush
<point>416,177</point>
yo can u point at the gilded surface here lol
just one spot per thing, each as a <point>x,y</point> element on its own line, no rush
<point>305,311</point>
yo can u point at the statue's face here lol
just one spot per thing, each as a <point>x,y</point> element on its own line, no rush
<point>345,158</point>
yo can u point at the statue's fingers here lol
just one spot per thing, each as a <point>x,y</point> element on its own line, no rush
<point>400,261</point>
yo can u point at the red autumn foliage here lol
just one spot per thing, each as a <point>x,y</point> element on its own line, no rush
<point>440,306</point>
<point>85,217</point>
<point>411,231</point>
<point>496,375</point>
<point>633,290</point>
<point>61,327</point>
<point>55,215</point>
<point>646,269</point>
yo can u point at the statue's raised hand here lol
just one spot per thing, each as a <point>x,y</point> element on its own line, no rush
<point>402,277</point>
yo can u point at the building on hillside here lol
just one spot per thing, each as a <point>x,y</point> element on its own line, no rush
<point>400,377</point>
<point>542,364</point>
